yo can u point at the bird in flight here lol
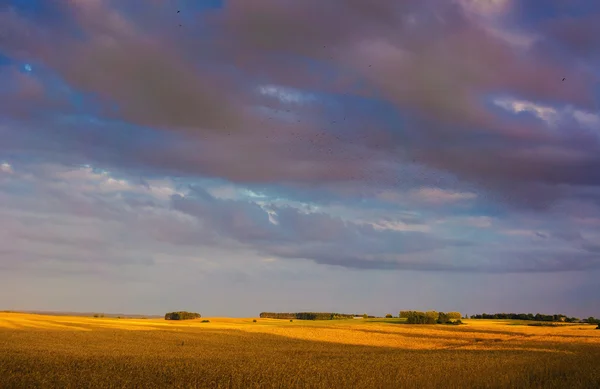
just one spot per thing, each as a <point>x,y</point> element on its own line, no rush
<point>563,79</point>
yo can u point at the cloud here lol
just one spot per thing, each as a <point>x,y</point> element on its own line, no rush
<point>315,236</point>
<point>6,168</point>
<point>318,128</point>
<point>552,116</point>
<point>440,196</point>
<point>78,214</point>
<point>547,114</point>
<point>236,96</point>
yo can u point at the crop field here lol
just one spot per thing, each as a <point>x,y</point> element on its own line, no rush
<point>40,351</point>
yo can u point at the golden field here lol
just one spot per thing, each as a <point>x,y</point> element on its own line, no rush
<point>41,351</point>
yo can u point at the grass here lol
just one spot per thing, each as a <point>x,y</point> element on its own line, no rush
<point>75,352</point>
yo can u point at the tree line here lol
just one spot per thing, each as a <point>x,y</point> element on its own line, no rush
<point>306,315</point>
<point>431,317</point>
<point>536,317</point>
<point>182,315</point>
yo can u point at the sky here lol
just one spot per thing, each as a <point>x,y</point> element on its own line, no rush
<point>233,157</point>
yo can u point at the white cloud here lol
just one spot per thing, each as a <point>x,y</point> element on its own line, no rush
<point>545,113</point>
<point>6,167</point>
<point>549,114</point>
<point>441,196</point>
<point>284,94</point>
<point>224,192</point>
<point>86,179</point>
<point>251,194</point>
<point>489,15</point>
<point>425,195</point>
<point>490,8</point>
<point>515,38</point>
<point>587,119</point>
<point>398,226</point>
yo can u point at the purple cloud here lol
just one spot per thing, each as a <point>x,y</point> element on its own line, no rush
<point>435,65</point>
<point>442,136</point>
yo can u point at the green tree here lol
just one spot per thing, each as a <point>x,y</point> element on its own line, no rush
<point>416,317</point>
<point>454,315</point>
<point>443,318</point>
<point>182,315</point>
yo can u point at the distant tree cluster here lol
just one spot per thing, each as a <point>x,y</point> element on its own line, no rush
<point>529,316</point>
<point>306,315</point>
<point>273,315</point>
<point>182,315</point>
<point>388,316</point>
<point>431,317</point>
<point>416,317</point>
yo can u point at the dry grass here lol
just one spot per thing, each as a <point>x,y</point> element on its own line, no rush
<point>78,352</point>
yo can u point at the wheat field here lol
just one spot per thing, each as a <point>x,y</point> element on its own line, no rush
<point>42,351</point>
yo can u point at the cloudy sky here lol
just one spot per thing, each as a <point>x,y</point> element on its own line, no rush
<point>232,156</point>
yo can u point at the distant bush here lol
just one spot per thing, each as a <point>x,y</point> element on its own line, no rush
<point>205,321</point>
<point>443,318</point>
<point>416,317</point>
<point>457,322</point>
<point>254,321</point>
<point>365,316</point>
<point>274,315</point>
<point>530,316</point>
<point>388,316</point>
<point>291,320</point>
<point>431,317</point>
<point>98,315</point>
<point>182,315</point>
<point>306,315</point>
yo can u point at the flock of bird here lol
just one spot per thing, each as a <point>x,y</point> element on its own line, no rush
<point>320,138</point>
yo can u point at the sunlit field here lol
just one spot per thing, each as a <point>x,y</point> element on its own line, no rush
<point>80,352</point>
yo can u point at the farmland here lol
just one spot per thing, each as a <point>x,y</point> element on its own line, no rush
<point>76,352</point>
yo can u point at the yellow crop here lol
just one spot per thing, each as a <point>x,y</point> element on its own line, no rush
<point>84,352</point>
